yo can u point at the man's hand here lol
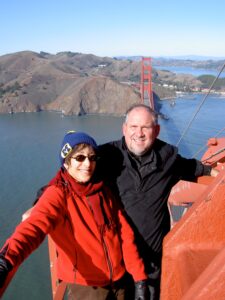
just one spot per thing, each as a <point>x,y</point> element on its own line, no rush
<point>214,172</point>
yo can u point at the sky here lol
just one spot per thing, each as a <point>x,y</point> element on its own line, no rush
<point>114,27</point>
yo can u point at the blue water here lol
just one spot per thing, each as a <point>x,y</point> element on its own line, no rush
<point>207,123</point>
<point>189,70</point>
<point>29,145</point>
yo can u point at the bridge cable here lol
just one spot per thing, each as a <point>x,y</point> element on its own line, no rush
<point>205,146</point>
<point>199,107</point>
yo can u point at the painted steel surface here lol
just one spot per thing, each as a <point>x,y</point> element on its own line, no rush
<point>193,251</point>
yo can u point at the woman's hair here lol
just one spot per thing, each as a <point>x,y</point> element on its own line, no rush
<point>77,148</point>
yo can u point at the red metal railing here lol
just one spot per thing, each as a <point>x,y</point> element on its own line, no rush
<point>193,251</point>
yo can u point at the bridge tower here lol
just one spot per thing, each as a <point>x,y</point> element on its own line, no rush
<point>146,82</point>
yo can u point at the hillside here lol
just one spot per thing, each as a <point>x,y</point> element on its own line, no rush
<point>76,83</point>
<point>73,83</point>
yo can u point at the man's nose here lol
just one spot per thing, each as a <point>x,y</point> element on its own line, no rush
<point>139,131</point>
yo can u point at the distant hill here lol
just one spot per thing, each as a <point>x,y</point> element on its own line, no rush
<point>72,83</point>
<point>202,64</point>
<point>76,83</point>
<point>194,57</point>
<point>194,61</point>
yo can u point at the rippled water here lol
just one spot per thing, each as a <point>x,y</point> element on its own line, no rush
<point>29,146</point>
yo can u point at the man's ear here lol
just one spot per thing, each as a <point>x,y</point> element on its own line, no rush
<point>157,130</point>
<point>65,166</point>
<point>124,128</point>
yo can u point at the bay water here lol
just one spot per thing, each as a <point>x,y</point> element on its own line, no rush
<point>29,158</point>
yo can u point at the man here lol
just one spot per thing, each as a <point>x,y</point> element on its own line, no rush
<point>143,170</point>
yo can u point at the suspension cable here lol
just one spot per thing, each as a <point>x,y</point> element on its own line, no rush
<point>199,107</point>
<point>203,147</point>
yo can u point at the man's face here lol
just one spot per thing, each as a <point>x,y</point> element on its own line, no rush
<point>140,131</point>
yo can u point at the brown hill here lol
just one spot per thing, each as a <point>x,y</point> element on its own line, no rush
<point>70,82</point>
<point>73,83</point>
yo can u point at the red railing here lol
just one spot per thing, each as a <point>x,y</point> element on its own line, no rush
<point>58,287</point>
<point>194,250</point>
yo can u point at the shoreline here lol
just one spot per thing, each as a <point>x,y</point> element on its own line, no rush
<point>183,94</point>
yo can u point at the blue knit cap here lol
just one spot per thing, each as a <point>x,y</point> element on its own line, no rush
<point>72,139</point>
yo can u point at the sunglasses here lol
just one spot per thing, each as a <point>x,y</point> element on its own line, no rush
<point>81,157</point>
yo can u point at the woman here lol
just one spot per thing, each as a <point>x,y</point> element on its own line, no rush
<point>95,244</point>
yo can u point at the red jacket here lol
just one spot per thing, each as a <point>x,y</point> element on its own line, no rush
<point>87,255</point>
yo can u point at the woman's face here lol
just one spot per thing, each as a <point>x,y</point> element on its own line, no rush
<point>82,164</point>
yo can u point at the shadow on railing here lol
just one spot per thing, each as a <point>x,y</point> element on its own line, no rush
<point>58,287</point>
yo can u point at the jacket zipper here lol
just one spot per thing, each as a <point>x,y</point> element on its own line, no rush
<point>71,229</point>
<point>106,252</point>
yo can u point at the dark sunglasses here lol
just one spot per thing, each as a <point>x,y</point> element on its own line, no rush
<point>82,157</point>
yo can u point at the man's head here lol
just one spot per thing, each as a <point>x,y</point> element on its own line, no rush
<point>140,128</point>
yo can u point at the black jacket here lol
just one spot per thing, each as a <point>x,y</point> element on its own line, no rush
<point>144,187</point>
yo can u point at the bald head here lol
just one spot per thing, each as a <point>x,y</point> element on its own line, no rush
<point>140,128</point>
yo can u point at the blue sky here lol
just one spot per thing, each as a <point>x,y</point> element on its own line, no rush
<point>114,27</point>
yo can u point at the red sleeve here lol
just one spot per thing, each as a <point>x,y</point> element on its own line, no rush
<point>133,263</point>
<point>30,233</point>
